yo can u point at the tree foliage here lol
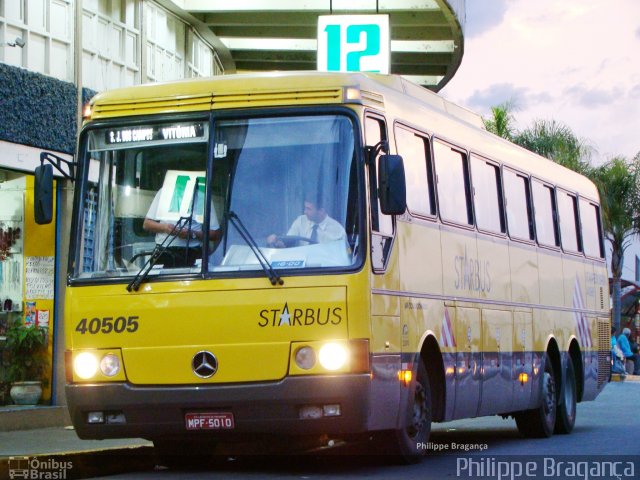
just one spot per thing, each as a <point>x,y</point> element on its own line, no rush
<point>557,142</point>
<point>618,183</point>
<point>502,121</point>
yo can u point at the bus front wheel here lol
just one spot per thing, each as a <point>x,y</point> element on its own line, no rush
<point>540,422</point>
<point>411,441</point>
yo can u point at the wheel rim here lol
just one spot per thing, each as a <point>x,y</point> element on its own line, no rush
<point>548,395</point>
<point>419,418</point>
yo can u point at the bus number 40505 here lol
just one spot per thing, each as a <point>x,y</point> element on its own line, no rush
<point>108,325</point>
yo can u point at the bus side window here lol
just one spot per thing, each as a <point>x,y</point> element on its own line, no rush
<point>545,214</point>
<point>381,224</point>
<point>518,206</point>
<point>414,149</point>
<point>454,189</point>
<point>569,227</point>
<point>591,229</point>
<point>487,195</point>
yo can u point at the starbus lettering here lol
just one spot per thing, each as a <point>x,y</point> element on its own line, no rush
<point>472,274</point>
<point>301,317</point>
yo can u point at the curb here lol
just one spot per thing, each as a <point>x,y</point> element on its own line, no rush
<point>618,377</point>
<point>15,417</point>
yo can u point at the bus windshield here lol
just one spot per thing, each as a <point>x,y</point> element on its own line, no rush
<point>186,200</point>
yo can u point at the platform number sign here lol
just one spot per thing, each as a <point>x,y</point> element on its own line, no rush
<point>353,43</point>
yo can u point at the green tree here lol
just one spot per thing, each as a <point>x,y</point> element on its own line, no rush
<point>557,142</point>
<point>618,183</point>
<point>502,121</point>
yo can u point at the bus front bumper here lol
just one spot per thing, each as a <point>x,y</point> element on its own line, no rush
<point>257,408</point>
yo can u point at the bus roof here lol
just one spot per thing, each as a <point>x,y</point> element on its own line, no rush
<point>441,117</point>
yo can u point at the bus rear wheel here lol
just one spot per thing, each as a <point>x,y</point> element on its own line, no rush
<point>410,442</point>
<point>566,417</point>
<point>540,422</point>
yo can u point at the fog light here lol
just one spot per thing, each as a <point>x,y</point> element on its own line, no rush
<point>85,365</point>
<point>310,412</point>
<point>333,356</point>
<point>95,417</point>
<point>116,418</point>
<point>305,358</point>
<point>523,378</point>
<point>110,365</point>
<point>331,410</point>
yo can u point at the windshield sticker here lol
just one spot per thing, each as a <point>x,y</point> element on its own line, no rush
<point>288,264</point>
<point>291,317</point>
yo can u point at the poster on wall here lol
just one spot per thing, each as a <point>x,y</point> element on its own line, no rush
<point>39,272</point>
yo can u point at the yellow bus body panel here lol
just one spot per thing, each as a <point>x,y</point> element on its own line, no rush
<point>247,324</point>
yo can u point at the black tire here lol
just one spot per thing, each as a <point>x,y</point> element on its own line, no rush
<point>566,416</point>
<point>540,422</point>
<point>410,442</point>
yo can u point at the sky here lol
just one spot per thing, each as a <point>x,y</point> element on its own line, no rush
<point>573,61</point>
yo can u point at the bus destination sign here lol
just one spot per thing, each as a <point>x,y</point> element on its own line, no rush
<point>184,131</point>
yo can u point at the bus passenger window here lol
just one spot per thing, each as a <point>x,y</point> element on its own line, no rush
<point>518,205</point>
<point>591,229</point>
<point>544,208</point>
<point>487,196</point>
<point>417,163</point>
<point>568,211</point>
<point>454,192</point>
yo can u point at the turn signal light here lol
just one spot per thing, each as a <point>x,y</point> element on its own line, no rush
<point>405,376</point>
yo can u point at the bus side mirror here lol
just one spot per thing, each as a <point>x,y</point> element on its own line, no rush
<point>392,188</point>
<point>43,194</point>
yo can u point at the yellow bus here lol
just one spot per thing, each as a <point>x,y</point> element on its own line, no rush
<point>323,256</point>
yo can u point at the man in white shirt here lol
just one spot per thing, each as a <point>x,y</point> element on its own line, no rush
<point>315,225</point>
<point>186,248</point>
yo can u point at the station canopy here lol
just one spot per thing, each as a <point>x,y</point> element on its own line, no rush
<point>267,35</point>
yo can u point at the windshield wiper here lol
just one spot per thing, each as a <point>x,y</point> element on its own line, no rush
<point>158,250</point>
<point>273,276</point>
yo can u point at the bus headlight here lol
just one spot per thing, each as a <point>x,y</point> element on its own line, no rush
<point>305,358</point>
<point>110,365</point>
<point>333,356</point>
<point>85,365</point>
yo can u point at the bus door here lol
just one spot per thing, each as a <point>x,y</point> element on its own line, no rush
<point>497,347</point>
<point>385,309</point>
<point>468,377</point>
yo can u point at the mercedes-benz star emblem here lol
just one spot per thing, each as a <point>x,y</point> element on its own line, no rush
<point>204,364</point>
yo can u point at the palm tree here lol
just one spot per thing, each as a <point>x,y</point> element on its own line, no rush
<point>501,121</point>
<point>618,182</point>
<point>557,142</point>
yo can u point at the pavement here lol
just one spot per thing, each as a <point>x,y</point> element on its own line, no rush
<point>46,434</point>
<point>46,437</point>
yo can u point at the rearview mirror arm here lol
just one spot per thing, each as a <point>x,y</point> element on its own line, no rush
<point>57,162</point>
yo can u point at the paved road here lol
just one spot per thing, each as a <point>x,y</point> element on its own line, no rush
<point>496,451</point>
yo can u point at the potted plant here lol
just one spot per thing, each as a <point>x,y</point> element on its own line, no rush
<point>27,361</point>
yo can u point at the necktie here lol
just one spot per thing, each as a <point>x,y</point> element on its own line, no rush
<point>314,233</point>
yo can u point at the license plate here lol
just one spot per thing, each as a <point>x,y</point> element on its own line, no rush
<point>209,421</point>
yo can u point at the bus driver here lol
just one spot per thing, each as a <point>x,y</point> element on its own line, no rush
<point>315,225</point>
